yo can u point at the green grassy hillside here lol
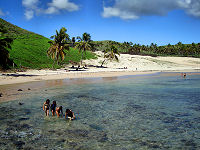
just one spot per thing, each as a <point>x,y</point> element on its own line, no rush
<point>29,49</point>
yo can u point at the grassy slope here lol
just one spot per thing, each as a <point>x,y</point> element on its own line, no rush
<point>29,49</point>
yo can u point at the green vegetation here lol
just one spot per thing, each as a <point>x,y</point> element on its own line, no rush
<point>187,50</point>
<point>59,45</point>
<point>5,44</point>
<point>29,50</point>
<point>83,44</point>
<point>110,54</point>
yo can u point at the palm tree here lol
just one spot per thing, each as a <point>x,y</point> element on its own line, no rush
<point>58,45</point>
<point>83,44</point>
<point>86,37</point>
<point>5,44</point>
<point>110,54</point>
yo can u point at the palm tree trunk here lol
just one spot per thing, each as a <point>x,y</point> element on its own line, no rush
<point>81,57</point>
<point>103,62</point>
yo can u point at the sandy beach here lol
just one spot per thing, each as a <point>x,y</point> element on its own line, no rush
<point>127,65</point>
<point>10,83</point>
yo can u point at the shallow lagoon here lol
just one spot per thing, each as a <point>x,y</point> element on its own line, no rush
<point>132,112</point>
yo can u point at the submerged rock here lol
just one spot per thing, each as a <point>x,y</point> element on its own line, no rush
<point>22,119</point>
<point>20,103</point>
<point>19,144</point>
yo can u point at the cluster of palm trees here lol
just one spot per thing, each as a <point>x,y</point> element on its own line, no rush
<point>5,44</point>
<point>178,49</point>
<point>61,42</point>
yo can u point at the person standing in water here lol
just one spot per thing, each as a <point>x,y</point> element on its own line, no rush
<point>59,111</point>
<point>53,108</point>
<point>69,114</point>
<point>46,106</point>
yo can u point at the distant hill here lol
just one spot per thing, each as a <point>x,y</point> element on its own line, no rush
<point>29,49</point>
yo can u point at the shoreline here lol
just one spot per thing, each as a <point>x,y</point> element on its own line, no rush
<point>24,77</point>
<point>31,85</point>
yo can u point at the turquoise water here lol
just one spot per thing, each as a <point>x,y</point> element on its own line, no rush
<point>121,113</point>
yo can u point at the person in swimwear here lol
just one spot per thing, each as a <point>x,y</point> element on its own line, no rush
<point>46,106</point>
<point>59,111</point>
<point>53,108</point>
<point>69,114</point>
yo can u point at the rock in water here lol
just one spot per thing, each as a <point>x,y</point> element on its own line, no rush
<point>20,90</point>
<point>21,103</point>
<point>1,94</point>
<point>19,144</point>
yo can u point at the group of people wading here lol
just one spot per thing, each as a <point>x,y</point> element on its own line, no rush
<point>57,110</point>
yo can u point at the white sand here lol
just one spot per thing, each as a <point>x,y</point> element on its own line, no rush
<point>135,65</point>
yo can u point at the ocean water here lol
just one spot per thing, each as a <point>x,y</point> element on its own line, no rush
<point>119,113</point>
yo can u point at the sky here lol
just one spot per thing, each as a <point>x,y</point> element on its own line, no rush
<point>138,21</point>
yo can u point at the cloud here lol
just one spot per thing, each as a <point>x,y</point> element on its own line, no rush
<point>30,4</point>
<point>54,7</point>
<point>57,5</point>
<point>30,8</point>
<point>29,14</point>
<point>1,12</point>
<point>192,7</point>
<point>134,9</point>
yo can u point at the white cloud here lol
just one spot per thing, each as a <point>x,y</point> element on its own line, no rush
<point>51,10</point>
<point>54,7</point>
<point>115,12</point>
<point>133,9</point>
<point>30,4</point>
<point>29,14</point>
<point>1,13</point>
<point>63,5</point>
<point>30,8</point>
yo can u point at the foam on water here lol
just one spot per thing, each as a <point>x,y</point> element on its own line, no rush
<point>144,112</point>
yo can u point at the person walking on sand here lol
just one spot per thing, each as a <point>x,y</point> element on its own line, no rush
<point>69,114</point>
<point>53,108</point>
<point>46,106</point>
<point>59,111</point>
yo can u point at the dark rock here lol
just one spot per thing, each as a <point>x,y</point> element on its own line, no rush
<point>20,103</point>
<point>1,94</point>
<point>19,144</point>
<point>22,119</point>
<point>23,126</point>
<point>29,89</point>
<point>20,90</point>
<point>190,143</point>
<point>169,120</point>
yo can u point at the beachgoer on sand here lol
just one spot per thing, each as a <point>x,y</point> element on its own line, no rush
<point>46,106</point>
<point>53,108</point>
<point>69,114</point>
<point>59,111</point>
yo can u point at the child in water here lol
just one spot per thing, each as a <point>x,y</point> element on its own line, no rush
<point>53,108</point>
<point>59,111</point>
<point>69,114</point>
<point>46,106</point>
